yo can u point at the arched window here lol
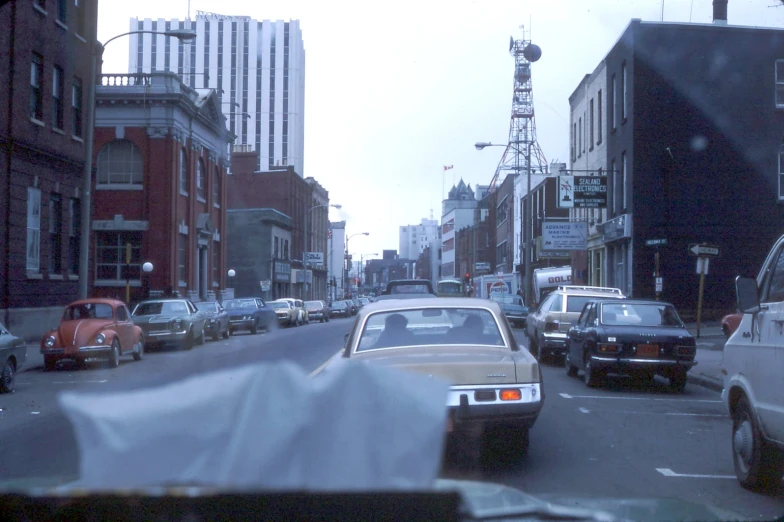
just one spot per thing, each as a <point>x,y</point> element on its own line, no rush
<point>183,171</point>
<point>120,163</point>
<point>201,183</point>
<point>216,188</point>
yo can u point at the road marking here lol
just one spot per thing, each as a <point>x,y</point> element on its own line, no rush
<point>567,396</point>
<point>35,413</point>
<point>80,382</point>
<point>670,473</point>
<point>585,410</point>
<point>324,365</point>
<point>674,414</point>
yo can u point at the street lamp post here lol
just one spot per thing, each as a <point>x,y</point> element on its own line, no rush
<point>346,256</point>
<point>231,273</point>
<point>96,54</point>
<point>146,271</point>
<point>305,247</point>
<point>526,241</point>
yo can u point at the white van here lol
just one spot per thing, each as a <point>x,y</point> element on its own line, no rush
<point>753,368</point>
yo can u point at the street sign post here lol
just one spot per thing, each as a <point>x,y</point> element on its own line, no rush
<point>703,250</point>
<point>703,262</point>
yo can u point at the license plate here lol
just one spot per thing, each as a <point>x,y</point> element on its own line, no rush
<point>648,350</point>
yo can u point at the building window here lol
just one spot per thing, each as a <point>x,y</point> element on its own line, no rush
<point>80,15</point>
<point>36,94</point>
<point>74,235</point>
<point>780,84</point>
<point>120,163</point>
<point>57,97</point>
<point>599,118</point>
<point>276,248</point>
<point>611,105</point>
<point>215,261</point>
<point>183,172</point>
<point>574,141</point>
<point>182,239</point>
<point>62,10</point>
<point>40,3</point>
<point>55,234</point>
<point>76,107</point>
<point>613,199</point>
<point>111,251</point>
<point>33,229</point>
<point>625,98</point>
<point>216,188</point>
<point>200,181</point>
<point>590,147</point>
<point>781,172</point>
<point>623,181</point>
<point>285,249</point>
<point>580,142</point>
<point>584,131</point>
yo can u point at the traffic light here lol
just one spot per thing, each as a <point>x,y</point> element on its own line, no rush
<point>467,278</point>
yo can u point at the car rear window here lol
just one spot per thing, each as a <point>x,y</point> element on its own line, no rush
<point>575,303</point>
<point>430,327</point>
<point>88,311</point>
<point>409,289</point>
<point>637,314</point>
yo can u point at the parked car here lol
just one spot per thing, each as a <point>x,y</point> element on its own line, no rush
<point>352,306</point>
<point>357,303</point>
<point>407,289</point>
<point>752,368</point>
<point>249,313</point>
<point>496,385</point>
<point>170,322</point>
<point>632,337</point>
<point>93,328</point>
<point>341,309</point>
<point>285,312</point>
<point>513,308</point>
<point>318,311</point>
<point>546,328</point>
<point>730,322</point>
<point>364,300</point>
<point>13,354</point>
<point>299,305</point>
<point>217,323</point>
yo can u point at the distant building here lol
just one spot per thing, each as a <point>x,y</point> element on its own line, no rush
<point>458,213</point>
<point>414,238</point>
<point>337,260</point>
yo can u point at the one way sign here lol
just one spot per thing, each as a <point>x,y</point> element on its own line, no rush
<point>702,250</point>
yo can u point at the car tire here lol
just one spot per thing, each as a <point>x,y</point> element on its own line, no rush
<point>216,336</point>
<point>114,354</point>
<point>759,465</point>
<point>591,375</point>
<point>571,370</point>
<point>138,353</point>
<point>254,328</point>
<point>503,445</point>
<point>50,363</point>
<point>677,381</point>
<point>227,333</point>
<point>8,377</point>
<point>200,338</point>
<point>187,343</point>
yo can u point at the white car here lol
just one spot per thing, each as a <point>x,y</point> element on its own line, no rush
<point>753,369</point>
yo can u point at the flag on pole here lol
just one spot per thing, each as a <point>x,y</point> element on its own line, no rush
<point>447,167</point>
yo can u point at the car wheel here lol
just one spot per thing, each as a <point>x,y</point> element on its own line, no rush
<point>227,333</point>
<point>677,381</point>
<point>187,343</point>
<point>758,464</point>
<point>50,363</point>
<point>503,445</point>
<point>216,335</point>
<point>138,353</point>
<point>7,378</point>
<point>571,370</point>
<point>254,328</point>
<point>200,338</point>
<point>114,354</point>
<point>533,346</point>
<point>592,376</point>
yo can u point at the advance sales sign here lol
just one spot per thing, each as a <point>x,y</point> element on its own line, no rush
<point>565,235</point>
<point>582,191</point>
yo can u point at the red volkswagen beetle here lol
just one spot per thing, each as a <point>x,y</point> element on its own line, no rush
<point>93,328</point>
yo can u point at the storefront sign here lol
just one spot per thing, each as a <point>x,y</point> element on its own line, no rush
<point>582,191</point>
<point>282,271</point>
<point>565,235</point>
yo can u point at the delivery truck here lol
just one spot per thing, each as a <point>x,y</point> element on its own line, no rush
<point>548,279</point>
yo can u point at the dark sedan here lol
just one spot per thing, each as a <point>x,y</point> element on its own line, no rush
<point>631,337</point>
<point>217,323</point>
<point>341,309</point>
<point>13,354</point>
<point>249,313</point>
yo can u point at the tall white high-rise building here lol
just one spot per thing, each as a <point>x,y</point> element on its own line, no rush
<point>258,68</point>
<point>414,238</point>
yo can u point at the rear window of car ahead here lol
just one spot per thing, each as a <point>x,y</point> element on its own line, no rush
<point>88,311</point>
<point>653,314</point>
<point>430,327</point>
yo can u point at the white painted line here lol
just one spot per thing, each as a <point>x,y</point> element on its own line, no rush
<point>585,410</point>
<point>565,396</point>
<point>717,415</point>
<point>35,413</point>
<point>670,473</point>
<point>320,368</point>
<point>80,382</point>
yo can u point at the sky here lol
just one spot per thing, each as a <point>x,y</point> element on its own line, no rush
<point>396,90</point>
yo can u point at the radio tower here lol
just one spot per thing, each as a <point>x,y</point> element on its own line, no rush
<point>522,153</point>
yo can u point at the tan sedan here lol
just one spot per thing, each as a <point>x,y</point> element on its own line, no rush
<point>496,385</point>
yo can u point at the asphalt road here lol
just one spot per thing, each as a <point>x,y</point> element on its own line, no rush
<point>620,441</point>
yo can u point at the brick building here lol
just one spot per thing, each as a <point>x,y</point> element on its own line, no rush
<point>44,69</point>
<point>161,155</point>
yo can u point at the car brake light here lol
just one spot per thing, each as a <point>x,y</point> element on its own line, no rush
<point>686,350</point>
<point>609,348</point>
<point>551,326</point>
<point>511,395</point>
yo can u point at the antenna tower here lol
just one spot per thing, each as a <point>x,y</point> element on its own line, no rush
<point>523,151</point>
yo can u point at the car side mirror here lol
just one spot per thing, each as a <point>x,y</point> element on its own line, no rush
<point>747,294</point>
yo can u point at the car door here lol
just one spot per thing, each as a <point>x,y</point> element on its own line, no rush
<point>197,317</point>
<point>538,316</point>
<point>259,312</point>
<point>124,328</point>
<point>576,335</point>
<point>763,362</point>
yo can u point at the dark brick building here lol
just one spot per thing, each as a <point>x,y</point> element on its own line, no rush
<point>44,69</point>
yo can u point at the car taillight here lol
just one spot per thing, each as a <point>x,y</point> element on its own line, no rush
<point>511,395</point>
<point>551,326</point>
<point>609,347</point>
<point>686,350</point>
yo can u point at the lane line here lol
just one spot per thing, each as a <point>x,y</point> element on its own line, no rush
<point>567,396</point>
<point>585,410</point>
<point>717,415</point>
<point>670,473</point>
<point>80,382</point>
<point>324,365</point>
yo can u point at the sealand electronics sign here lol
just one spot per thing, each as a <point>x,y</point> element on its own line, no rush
<point>582,191</point>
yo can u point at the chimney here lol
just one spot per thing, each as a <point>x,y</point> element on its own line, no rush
<point>720,12</point>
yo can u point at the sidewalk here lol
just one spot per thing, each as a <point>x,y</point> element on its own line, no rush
<point>710,351</point>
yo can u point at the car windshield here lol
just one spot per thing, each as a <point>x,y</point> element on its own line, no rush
<point>313,305</point>
<point>207,306</point>
<point>412,288</point>
<point>430,327</point>
<point>237,304</point>
<point>161,308</point>
<point>88,311</point>
<point>339,304</point>
<point>278,305</point>
<point>636,314</point>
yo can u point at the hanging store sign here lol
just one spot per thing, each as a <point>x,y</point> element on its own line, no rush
<point>565,235</point>
<point>582,191</point>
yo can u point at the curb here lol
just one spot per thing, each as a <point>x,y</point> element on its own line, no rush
<point>705,381</point>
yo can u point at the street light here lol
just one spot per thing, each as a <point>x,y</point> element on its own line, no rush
<point>146,269</point>
<point>346,255</point>
<point>305,247</point>
<point>231,273</point>
<point>96,54</point>
<point>526,215</point>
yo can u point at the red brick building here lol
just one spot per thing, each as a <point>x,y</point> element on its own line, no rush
<point>44,72</point>
<point>161,157</point>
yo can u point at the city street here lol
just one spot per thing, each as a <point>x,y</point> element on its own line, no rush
<point>621,441</point>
